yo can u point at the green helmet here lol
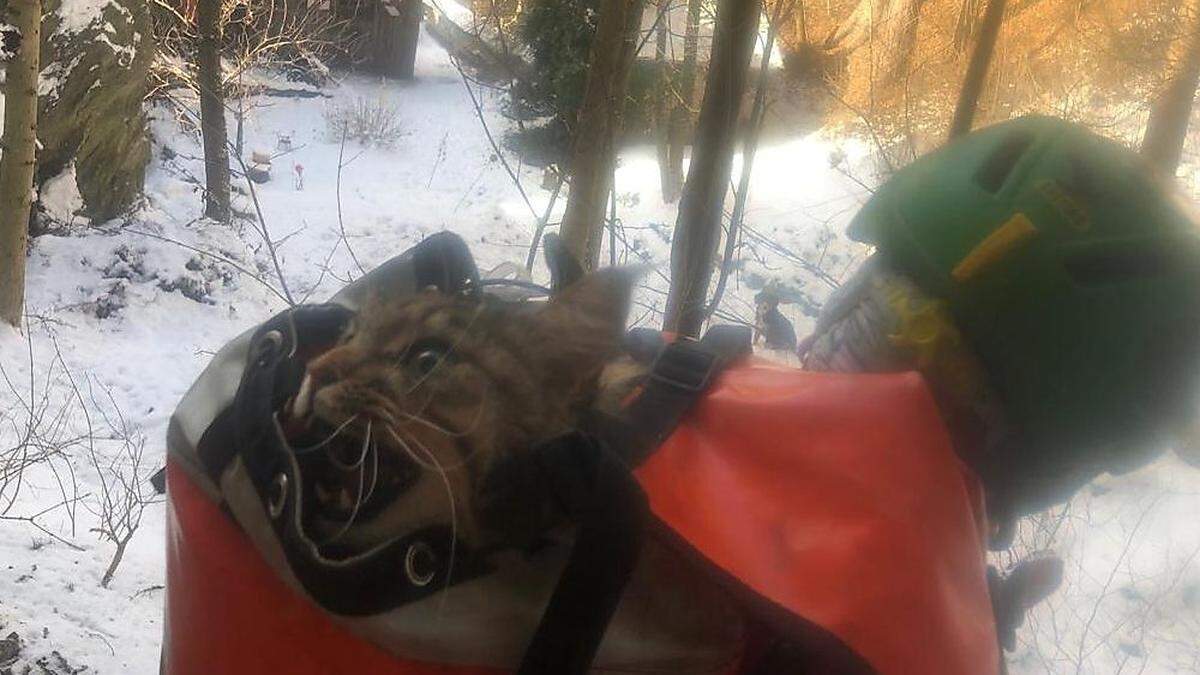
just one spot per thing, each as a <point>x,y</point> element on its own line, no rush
<point>1073,270</point>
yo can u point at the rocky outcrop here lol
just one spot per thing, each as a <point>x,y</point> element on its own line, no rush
<point>95,59</point>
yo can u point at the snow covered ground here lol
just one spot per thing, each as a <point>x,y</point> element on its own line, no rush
<point>124,315</point>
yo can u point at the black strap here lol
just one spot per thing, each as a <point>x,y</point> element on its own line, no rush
<point>681,372</point>
<point>593,483</point>
<point>598,492</point>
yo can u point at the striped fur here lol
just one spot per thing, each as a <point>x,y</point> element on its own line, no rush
<point>448,387</point>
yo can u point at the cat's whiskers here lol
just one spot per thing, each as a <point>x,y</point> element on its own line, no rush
<point>418,418</point>
<point>423,421</point>
<point>436,466</point>
<point>358,501</point>
<point>374,470</point>
<point>421,462</point>
<point>387,413</point>
<point>383,414</point>
<point>447,467</point>
<point>325,441</point>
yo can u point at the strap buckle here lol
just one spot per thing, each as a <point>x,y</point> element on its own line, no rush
<point>685,365</point>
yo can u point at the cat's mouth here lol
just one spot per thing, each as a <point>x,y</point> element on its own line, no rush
<point>347,476</point>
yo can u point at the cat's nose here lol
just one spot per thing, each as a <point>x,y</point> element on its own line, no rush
<point>330,366</point>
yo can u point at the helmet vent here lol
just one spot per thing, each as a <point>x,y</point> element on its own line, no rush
<point>997,167</point>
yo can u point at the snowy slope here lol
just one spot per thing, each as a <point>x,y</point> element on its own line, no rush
<point>125,315</point>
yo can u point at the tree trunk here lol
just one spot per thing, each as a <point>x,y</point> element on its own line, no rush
<point>902,39</point>
<point>968,96</point>
<point>19,159</point>
<point>681,112</point>
<point>698,227</point>
<point>964,27</point>
<point>212,111</point>
<point>1166,131</point>
<point>891,27</point>
<point>749,149</point>
<point>397,32</point>
<point>662,97</point>
<point>594,146</point>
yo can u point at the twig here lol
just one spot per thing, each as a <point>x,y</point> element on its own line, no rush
<point>104,640</point>
<point>338,197</point>
<point>288,152</point>
<point>262,221</point>
<point>147,590</point>
<point>32,520</point>
<point>488,132</point>
<point>1087,626</point>
<point>441,155</point>
<point>612,217</point>
<point>790,255</point>
<point>870,127</point>
<point>215,256</point>
<point>324,272</point>
<point>541,225</point>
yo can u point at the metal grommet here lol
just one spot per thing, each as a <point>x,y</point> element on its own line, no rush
<point>279,494</point>
<point>420,563</point>
<point>268,345</point>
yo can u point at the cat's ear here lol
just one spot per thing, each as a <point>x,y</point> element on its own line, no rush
<point>597,301</point>
<point>579,330</point>
<point>565,270</point>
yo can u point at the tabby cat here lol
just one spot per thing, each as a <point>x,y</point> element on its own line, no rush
<point>425,396</point>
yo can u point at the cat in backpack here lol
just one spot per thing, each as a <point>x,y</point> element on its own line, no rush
<point>425,395</point>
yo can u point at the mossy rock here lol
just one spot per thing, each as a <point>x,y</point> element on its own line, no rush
<point>94,79</point>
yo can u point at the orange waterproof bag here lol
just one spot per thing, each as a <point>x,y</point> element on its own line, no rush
<point>835,497</point>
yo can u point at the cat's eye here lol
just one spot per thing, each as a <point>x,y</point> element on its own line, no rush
<point>426,360</point>
<point>424,357</point>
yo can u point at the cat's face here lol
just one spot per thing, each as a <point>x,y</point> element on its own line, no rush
<point>430,394</point>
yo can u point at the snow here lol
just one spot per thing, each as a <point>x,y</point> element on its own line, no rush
<point>456,12</point>
<point>77,15</point>
<point>80,15</point>
<point>124,315</point>
<point>61,199</point>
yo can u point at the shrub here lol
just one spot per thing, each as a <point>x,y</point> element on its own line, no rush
<point>364,121</point>
<point>558,35</point>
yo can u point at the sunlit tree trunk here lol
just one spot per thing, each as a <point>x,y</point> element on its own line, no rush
<point>212,111</point>
<point>662,97</point>
<point>698,227</point>
<point>964,27</point>
<point>1168,125</point>
<point>593,150</point>
<point>968,96</point>
<point>758,115</point>
<point>19,158</point>
<point>681,113</point>
<point>891,25</point>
